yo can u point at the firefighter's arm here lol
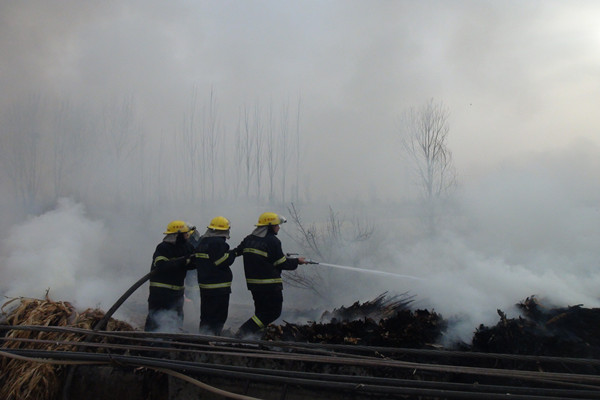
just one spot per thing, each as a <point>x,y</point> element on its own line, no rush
<point>221,256</point>
<point>239,250</point>
<point>279,260</point>
<point>285,263</point>
<point>162,263</point>
<point>226,259</point>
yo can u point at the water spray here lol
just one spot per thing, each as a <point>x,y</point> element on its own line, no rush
<point>370,271</point>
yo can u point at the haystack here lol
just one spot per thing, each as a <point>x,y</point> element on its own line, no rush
<point>20,380</point>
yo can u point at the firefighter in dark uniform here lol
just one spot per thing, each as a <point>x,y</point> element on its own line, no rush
<point>263,262</point>
<point>170,263</point>
<point>213,260</point>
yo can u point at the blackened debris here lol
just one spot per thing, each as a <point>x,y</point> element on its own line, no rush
<point>380,322</point>
<point>564,332</point>
<point>380,307</point>
<point>573,331</point>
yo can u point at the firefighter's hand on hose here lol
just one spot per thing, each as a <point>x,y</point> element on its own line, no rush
<point>190,262</point>
<point>301,260</point>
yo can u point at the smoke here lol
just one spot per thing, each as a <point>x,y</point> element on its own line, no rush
<point>102,103</point>
<point>528,227</point>
<point>167,321</point>
<point>59,252</point>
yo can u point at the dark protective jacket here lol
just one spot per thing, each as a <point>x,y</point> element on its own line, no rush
<point>213,260</point>
<point>263,262</point>
<point>168,273</point>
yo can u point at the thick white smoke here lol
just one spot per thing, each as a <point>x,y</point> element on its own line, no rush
<point>59,252</point>
<point>525,228</point>
<point>529,227</point>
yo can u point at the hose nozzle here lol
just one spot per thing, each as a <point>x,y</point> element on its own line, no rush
<point>306,260</point>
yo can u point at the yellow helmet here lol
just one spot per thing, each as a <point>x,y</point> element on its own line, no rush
<point>270,218</point>
<point>178,226</point>
<point>219,224</point>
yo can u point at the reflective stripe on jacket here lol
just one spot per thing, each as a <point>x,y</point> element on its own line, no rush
<point>213,259</point>
<point>263,262</point>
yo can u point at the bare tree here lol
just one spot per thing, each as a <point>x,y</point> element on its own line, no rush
<point>258,149</point>
<point>70,129</point>
<point>247,149</point>
<point>211,141</point>
<point>323,240</point>
<point>43,143</point>
<point>239,158</point>
<point>296,193</point>
<point>424,139</point>
<point>271,155</point>
<point>21,144</point>
<point>308,235</point>
<point>123,136</point>
<point>278,152</point>
<point>191,148</point>
<point>284,148</point>
<point>161,173</point>
<point>308,238</point>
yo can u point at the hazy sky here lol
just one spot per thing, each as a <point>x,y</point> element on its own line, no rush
<point>517,76</point>
<point>521,80</point>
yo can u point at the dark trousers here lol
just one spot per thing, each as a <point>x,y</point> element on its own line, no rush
<point>267,308</point>
<point>213,312</point>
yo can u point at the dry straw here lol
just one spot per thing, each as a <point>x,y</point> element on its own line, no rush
<point>20,380</point>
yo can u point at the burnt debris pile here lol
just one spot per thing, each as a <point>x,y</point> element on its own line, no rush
<point>563,332</point>
<point>572,331</point>
<point>381,307</point>
<point>384,321</point>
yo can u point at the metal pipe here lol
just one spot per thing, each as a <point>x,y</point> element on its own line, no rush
<point>334,385</point>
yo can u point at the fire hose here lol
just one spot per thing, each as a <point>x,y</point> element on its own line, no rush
<point>340,382</point>
<point>102,323</point>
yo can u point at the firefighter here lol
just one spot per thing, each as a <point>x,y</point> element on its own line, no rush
<point>213,260</point>
<point>170,263</point>
<point>263,262</point>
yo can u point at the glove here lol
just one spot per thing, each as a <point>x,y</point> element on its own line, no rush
<point>191,262</point>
